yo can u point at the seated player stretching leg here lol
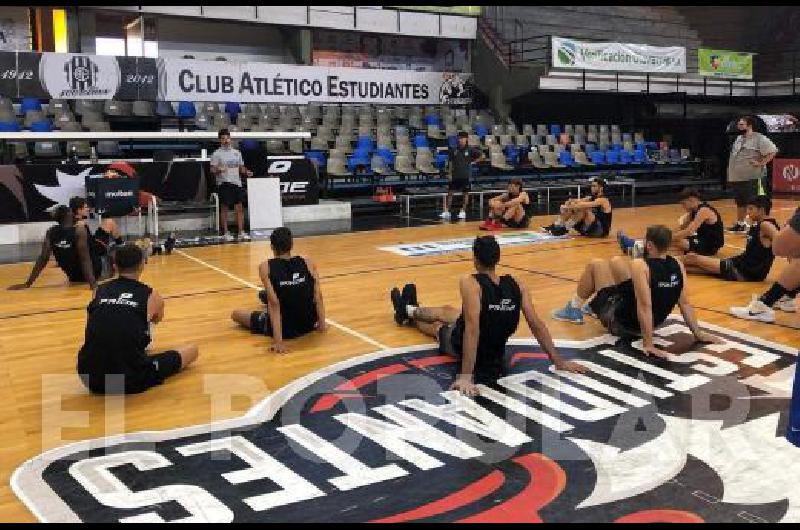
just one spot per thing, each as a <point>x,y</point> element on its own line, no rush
<point>700,229</point>
<point>508,209</point>
<point>754,263</point>
<point>633,297</point>
<point>590,216</point>
<point>478,334</point>
<point>294,305</point>
<point>114,358</point>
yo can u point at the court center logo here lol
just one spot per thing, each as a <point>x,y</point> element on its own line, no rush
<point>78,76</point>
<point>696,437</point>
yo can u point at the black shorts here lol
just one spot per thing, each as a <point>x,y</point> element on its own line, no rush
<point>608,304</point>
<point>260,323</point>
<point>230,194</point>
<point>162,366</point>
<point>484,375</point>
<point>744,191</point>
<point>702,247</point>
<point>511,223</point>
<point>593,230</point>
<point>734,270</point>
<point>461,185</point>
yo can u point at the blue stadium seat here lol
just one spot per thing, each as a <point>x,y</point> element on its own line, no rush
<point>674,156</point>
<point>360,158</point>
<point>566,158</point>
<point>186,109</point>
<point>625,157</point>
<point>640,157</point>
<point>612,156</point>
<point>432,119</point>
<point>318,157</point>
<point>29,104</point>
<point>640,147</point>
<point>9,126</point>
<point>232,109</point>
<point>452,142</point>
<point>589,149</point>
<point>440,160</point>
<point>598,157</point>
<point>512,154</point>
<point>41,126</point>
<point>481,130</point>
<point>164,109</point>
<point>386,153</point>
<point>617,147</point>
<point>249,145</point>
<point>420,140</point>
<point>555,130</point>
<point>364,143</point>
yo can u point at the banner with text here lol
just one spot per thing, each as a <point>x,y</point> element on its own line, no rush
<point>618,57</point>
<point>195,80</point>
<point>77,76</point>
<point>786,175</point>
<point>723,63</point>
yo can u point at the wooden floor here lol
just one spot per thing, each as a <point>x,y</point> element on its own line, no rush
<point>42,328</point>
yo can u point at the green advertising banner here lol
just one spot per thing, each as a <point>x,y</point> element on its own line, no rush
<point>470,11</point>
<point>724,63</point>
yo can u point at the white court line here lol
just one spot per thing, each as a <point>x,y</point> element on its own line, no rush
<point>257,288</point>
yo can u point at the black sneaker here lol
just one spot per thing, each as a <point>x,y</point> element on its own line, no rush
<point>737,228</point>
<point>559,230</point>
<point>548,228</point>
<point>262,295</point>
<point>410,294</point>
<point>400,314</point>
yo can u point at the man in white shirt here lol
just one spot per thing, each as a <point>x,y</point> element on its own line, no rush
<point>228,166</point>
<point>750,154</point>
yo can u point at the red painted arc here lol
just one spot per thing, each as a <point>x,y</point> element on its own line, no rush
<point>660,516</point>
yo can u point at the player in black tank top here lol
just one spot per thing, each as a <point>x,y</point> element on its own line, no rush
<point>291,293</point>
<point>589,217</point>
<point>752,265</point>
<point>508,209</point>
<point>478,333</point>
<point>633,297</point>
<point>113,358</point>
<point>70,245</point>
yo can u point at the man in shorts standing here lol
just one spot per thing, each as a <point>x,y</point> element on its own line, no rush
<point>750,154</point>
<point>228,166</point>
<point>460,172</point>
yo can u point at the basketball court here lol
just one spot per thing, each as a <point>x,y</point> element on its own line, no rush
<point>250,435</point>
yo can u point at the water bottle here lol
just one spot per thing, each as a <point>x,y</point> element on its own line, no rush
<point>94,155</point>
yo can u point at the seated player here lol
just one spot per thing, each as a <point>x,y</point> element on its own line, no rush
<point>781,295</point>
<point>700,229</point>
<point>633,297</point>
<point>508,209</point>
<point>291,293</point>
<point>491,305</point>
<point>114,358</point>
<point>589,216</point>
<point>79,254</point>
<point>754,263</point>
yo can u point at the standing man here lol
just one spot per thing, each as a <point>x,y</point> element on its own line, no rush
<point>750,154</point>
<point>459,174</point>
<point>228,166</point>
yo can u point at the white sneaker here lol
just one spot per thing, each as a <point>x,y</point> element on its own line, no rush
<point>445,215</point>
<point>637,250</point>
<point>462,215</point>
<point>786,304</point>
<point>228,237</point>
<point>756,310</point>
<point>244,236</point>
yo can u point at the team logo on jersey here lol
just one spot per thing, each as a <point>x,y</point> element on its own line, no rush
<point>696,437</point>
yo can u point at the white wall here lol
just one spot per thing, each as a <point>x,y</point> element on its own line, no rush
<point>210,39</point>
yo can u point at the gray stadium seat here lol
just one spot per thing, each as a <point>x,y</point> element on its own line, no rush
<point>69,126</point>
<point>19,150</point>
<point>164,109</point>
<point>99,126</point>
<point>116,108</point>
<point>47,150</point>
<point>143,109</point>
<point>87,105</point>
<point>108,148</point>
<point>58,106</point>
<point>81,147</point>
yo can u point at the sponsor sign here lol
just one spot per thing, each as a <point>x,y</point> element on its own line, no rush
<point>617,56</point>
<point>298,180</point>
<point>724,63</point>
<point>433,248</point>
<point>786,175</point>
<point>112,197</point>
<point>186,79</point>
